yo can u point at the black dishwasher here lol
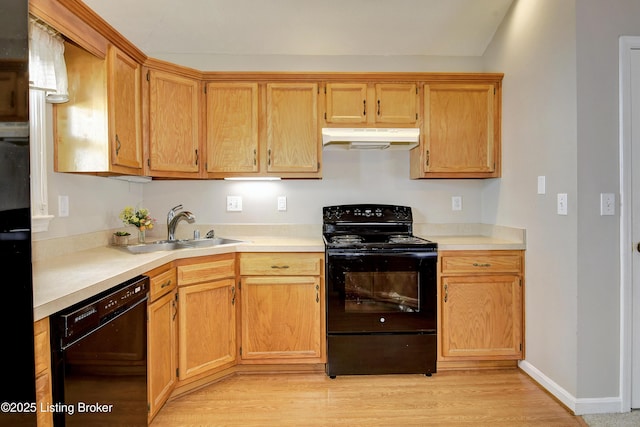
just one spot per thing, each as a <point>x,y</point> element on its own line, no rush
<point>99,359</point>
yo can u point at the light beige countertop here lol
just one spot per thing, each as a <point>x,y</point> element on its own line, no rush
<point>59,282</point>
<point>63,276</point>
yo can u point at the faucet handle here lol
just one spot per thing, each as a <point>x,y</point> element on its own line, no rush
<point>172,213</point>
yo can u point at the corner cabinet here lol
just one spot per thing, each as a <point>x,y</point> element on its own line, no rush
<point>461,135</point>
<point>207,315</point>
<point>282,299</point>
<point>173,125</point>
<point>481,308</point>
<point>100,129</point>
<point>262,129</point>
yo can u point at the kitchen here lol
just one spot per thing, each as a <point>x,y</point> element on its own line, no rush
<point>559,74</point>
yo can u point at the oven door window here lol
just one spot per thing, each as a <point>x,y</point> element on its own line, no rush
<point>382,291</point>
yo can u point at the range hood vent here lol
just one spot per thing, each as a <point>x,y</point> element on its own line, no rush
<point>370,138</point>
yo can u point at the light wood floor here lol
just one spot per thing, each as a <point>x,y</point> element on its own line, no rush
<point>468,398</point>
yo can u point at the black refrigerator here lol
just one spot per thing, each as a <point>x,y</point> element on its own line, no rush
<point>17,386</point>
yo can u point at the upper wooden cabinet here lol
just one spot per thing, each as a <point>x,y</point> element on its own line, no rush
<point>262,129</point>
<point>372,104</point>
<point>293,139</point>
<point>174,125</point>
<point>100,129</point>
<point>232,128</point>
<point>460,132</point>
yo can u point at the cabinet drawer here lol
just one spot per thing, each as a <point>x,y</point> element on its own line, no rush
<point>162,283</point>
<point>481,263</point>
<point>217,268</point>
<point>281,264</point>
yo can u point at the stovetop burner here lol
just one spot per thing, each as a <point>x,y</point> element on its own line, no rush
<point>346,239</point>
<point>371,228</point>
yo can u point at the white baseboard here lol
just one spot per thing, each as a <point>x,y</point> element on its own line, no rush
<point>583,406</point>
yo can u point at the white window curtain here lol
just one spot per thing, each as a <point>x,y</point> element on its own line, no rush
<point>47,70</point>
<point>47,84</point>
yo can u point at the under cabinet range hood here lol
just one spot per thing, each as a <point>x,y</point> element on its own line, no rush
<point>370,138</point>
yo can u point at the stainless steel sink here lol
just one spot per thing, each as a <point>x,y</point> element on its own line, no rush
<point>204,243</point>
<point>170,245</point>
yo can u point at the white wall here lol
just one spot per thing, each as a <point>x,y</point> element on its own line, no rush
<point>599,26</point>
<point>348,177</point>
<point>560,119</point>
<point>535,48</point>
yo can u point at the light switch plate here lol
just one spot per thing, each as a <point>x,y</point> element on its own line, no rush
<point>63,206</point>
<point>234,204</point>
<point>542,185</point>
<point>607,204</point>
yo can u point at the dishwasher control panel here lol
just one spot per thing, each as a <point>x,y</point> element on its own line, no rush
<point>93,312</point>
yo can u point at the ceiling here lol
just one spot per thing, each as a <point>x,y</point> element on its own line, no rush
<point>305,27</point>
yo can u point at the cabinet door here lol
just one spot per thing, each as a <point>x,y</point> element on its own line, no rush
<point>207,327</point>
<point>346,103</point>
<point>396,103</point>
<point>124,100</point>
<point>162,347</point>
<point>42,353</point>
<point>459,129</point>
<point>174,119</point>
<point>232,127</point>
<point>482,317</point>
<point>293,142</point>
<point>281,318</point>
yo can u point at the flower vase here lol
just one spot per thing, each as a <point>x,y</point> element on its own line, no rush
<point>141,236</point>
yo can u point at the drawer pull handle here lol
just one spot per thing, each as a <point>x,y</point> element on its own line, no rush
<point>476,264</point>
<point>280,266</point>
<point>165,284</point>
<point>446,292</point>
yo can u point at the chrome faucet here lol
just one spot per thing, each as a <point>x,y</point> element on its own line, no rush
<point>173,217</point>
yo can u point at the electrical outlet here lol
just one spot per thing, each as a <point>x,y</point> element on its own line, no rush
<point>63,206</point>
<point>234,204</point>
<point>282,203</point>
<point>562,204</point>
<point>607,204</point>
<point>456,203</point>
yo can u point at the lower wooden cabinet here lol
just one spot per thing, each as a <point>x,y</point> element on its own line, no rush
<point>162,337</point>
<point>283,314</point>
<point>481,306</point>
<point>207,315</point>
<point>43,371</point>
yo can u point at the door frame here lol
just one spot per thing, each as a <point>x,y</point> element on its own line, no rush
<point>627,44</point>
